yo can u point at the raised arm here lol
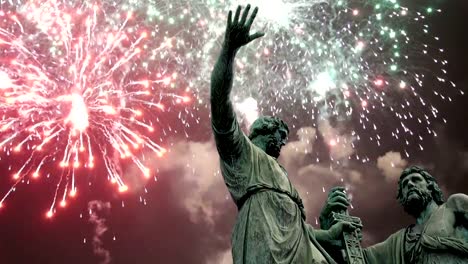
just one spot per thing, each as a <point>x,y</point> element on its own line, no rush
<point>222,111</point>
<point>337,202</point>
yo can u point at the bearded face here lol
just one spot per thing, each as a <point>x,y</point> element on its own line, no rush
<point>415,203</point>
<point>275,142</point>
<point>416,195</point>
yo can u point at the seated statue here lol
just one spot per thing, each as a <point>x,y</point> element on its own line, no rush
<point>439,235</point>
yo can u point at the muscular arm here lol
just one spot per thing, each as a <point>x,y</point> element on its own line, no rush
<point>325,237</point>
<point>222,111</point>
<point>223,118</point>
<point>390,251</point>
<point>228,135</point>
<point>332,246</point>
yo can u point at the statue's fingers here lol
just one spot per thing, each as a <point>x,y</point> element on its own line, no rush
<point>337,206</point>
<point>339,199</point>
<point>338,194</point>
<point>349,226</point>
<point>244,15</point>
<point>357,226</point>
<point>256,36</point>
<point>236,16</point>
<point>252,17</point>
<point>342,226</point>
<point>229,19</point>
<point>354,227</point>
<point>336,198</point>
<point>336,189</point>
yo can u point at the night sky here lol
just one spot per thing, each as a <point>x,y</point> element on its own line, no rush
<point>187,214</point>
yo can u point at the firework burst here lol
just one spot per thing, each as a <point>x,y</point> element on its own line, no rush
<point>371,68</point>
<point>87,83</point>
<point>74,89</point>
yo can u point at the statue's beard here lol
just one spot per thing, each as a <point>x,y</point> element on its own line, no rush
<point>415,206</point>
<point>273,148</point>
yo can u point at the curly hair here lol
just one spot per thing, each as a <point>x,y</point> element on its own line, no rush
<point>266,125</point>
<point>436,192</point>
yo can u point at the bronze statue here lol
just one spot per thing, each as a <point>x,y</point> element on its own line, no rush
<point>270,225</point>
<point>440,234</point>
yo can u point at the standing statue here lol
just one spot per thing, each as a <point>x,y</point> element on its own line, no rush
<point>440,234</point>
<point>270,226</point>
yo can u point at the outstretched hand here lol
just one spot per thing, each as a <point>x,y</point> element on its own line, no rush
<point>337,201</point>
<point>332,238</point>
<point>336,230</point>
<point>238,29</point>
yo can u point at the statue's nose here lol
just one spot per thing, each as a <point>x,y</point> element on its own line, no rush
<point>410,186</point>
<point>282,142</point>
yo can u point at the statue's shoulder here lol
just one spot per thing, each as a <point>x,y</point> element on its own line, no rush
<point>397,235</point>
<point>392,239</point>
<point>400,232</point>
<point>458,202</point>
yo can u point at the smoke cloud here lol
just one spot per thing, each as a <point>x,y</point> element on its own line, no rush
<point>96,208</point>
<point>391,164</point>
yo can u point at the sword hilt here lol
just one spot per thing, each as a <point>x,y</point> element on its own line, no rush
<point>352,251</point>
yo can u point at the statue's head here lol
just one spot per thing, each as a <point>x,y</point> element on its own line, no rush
<point>270,132</point>
<point>416,189</point>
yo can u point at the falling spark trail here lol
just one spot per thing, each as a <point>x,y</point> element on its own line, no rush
<point>87,85</point>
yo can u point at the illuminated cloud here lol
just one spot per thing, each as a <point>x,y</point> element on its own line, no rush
<point>391,164</point>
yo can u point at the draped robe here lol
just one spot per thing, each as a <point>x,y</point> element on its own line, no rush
<point>442,239</point>
<point>270,225</point>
